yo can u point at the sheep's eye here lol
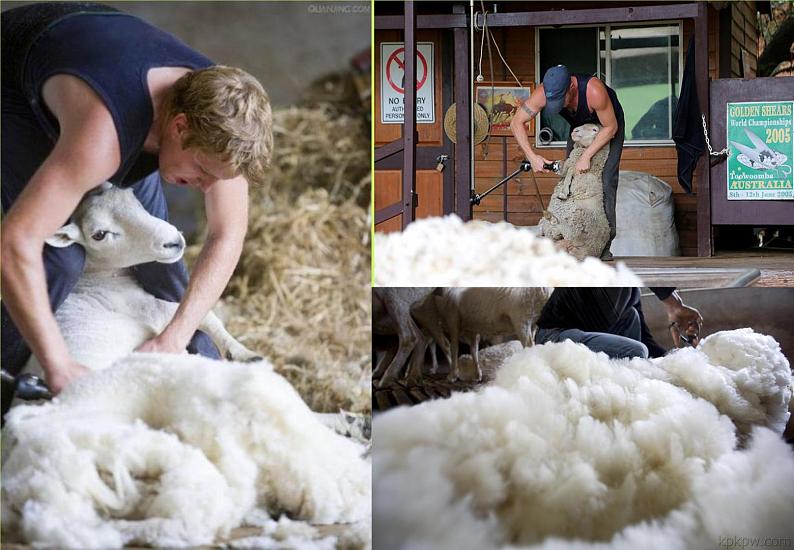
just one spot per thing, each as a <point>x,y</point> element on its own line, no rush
<point>99,235</point>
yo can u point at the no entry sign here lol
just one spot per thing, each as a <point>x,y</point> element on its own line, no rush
<point>392,83</point>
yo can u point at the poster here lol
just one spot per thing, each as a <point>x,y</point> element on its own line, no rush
<point>392,76</point>
<point>762,150</point>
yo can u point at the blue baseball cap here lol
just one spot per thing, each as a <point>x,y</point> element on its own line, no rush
<point>555,84</point>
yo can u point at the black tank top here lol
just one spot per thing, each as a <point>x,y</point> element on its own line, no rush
<point>110,51</point>
<point>583,115</point>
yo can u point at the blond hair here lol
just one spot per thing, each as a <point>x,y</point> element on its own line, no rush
<point>228,114</point>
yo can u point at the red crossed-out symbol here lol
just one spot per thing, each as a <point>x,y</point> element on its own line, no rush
<point>395,62</point>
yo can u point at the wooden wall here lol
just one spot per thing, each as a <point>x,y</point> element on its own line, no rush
<point>744,38</point>
<point>429,182</point>
<point>523,207</point>
<point>517,202</point>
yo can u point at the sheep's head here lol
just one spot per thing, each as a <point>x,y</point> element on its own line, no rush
<point>117,232</point>
<point>585,134</point>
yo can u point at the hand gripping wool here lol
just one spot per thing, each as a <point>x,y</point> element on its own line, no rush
<point>444,252</point>
<point>567,448</point>
<point>173,451</point>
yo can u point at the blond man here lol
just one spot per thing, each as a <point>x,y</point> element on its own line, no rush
<point>93,94</point>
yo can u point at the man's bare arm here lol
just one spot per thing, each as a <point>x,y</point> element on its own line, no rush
<point>86,154</point>
<point>598,99</point>
<point>226,205</point>
<point>530,108</point>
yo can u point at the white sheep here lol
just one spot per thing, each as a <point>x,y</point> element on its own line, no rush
<point>575,218</point>
<point>162,449</point>
<point>108,314</point>
<point>570,449</point>
<point>470,314</point>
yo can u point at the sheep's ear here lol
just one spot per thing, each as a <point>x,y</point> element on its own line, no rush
<point>67,235</point>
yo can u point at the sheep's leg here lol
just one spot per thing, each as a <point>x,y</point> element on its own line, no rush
<point>229,347</point>
<point>523,330</point>
<point>414,374</point>
<point>408,334</point>
<point>453,325</point>
<point>475,353</point>
<point>434,357</point>
<point>383,362</point>
<point>160,312</point>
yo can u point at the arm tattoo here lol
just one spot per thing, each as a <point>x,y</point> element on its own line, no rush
<point>528,111</point>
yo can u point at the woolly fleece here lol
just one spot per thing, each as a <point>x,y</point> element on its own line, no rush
<point>173,451</point>
<point>445,252</point>
<point>567,445</point>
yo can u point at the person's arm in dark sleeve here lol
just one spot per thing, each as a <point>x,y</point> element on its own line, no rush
<point>654,349</point>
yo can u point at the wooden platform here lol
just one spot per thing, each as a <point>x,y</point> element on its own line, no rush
<point>775,269</point>
<point>405,392</point>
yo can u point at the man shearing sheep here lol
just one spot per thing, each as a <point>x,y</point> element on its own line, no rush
<point>93,94</point>
<point>579,99</point>
<point>610,320</point>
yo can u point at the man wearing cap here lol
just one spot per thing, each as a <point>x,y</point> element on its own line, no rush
<point>579,99</point>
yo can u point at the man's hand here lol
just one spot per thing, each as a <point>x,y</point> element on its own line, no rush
<point>582,165</point>
<point>683,320</point>
<point>58,379</point>
<point>162,343</point>
<point>537,163</point>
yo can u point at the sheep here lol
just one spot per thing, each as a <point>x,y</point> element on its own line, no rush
<point>575,218</point>
<point>445,251</point>
<point>392,314</point>
<point>163,449</point>
<point>108,314</point>
<point>570,449</point>
<point>472,313</point>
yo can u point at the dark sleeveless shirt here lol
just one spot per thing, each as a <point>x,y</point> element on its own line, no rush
<point>583,114</point>
<point>110,51</point>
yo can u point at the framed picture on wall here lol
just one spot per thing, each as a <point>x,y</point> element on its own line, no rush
<point>501,101</point>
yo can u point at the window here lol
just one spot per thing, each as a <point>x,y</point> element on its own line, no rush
<point>641,63</point>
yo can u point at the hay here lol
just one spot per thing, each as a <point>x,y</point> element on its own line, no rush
<point>300,296</point>
<point>321,146</point>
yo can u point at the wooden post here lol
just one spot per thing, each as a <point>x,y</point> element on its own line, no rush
<point>409,115</point>
<point>704,234</point>
<point>462,121</point>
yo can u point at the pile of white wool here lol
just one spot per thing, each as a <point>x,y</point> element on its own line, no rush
<point>170,451</point>
<point>567,448</point>
<point>445,251</point>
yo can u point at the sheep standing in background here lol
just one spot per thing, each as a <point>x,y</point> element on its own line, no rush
<point>392,314</point>
<point>108,314</point>
<point>470,314</point>
<point>575,218</point>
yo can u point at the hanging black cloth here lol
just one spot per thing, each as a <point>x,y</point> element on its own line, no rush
<point>688,127</point>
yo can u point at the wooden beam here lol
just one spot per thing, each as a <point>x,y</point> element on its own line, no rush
<point>442,21</point>
<point>704,231</point>
<point>388,212</point>
<point>462,121</point>
<point>592,16</point>
<point>389,149</point>
<point>409,115</point>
